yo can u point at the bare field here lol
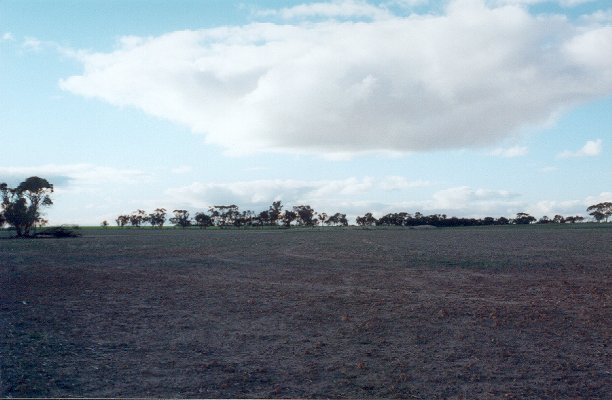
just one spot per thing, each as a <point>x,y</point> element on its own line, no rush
<point>489,312</point>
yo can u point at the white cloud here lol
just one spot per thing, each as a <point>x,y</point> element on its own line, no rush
<point>552,207</point>
<point>351,196</point>
<point>32,44</point>
<point>261,193</point>
<point>562,3</point>
<point>573,3</point>
<point>75,174</point>
<point>510,152</point>
<point>600,198</point>
<point>591,148</point>
<point>568,207</point>
<point>333,9</point>
<point>7,37</point>
<point>599,17</point>
<point>467,198</point>
<point>400,183</point>
<point>592,49</point>
<point>469,78</point>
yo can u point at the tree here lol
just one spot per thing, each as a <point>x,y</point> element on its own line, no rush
<point>203,220</point>
<point>366,220</point>
<point>305,215</point>
<point>275,212</point>
<point>104,224</point>
<point>558,219</point>
<point>181,218</point>
<point>138,217</point>
<point>601,211</point>
<point>158,217</point>
<point>574,219</point>
<point>337,219</point>
<point>288,217</point>
<point>263,218</point>
<point>323,218</point>
<point>544,220</point>
<point>503,221</point>
<point>488,221</point>
<point>22,205</point>
<point>224,215</point>
<point>122,220</point>
<point>523,219</point>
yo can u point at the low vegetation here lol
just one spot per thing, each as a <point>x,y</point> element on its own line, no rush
<point>63,231</point>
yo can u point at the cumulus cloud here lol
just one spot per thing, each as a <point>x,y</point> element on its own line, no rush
<point>472,76</point>
<point>7,37</point>
<point>510,152</point>
<point>591,148</point>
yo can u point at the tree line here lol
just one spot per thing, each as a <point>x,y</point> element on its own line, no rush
<point>21,208</point>
<point>225,216</point>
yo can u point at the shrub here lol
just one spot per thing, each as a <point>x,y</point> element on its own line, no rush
<point>64,231</point>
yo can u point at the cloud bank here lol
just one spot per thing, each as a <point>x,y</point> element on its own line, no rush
<point>261,193</point>
<point>356,196</point>
<point>470,77</point>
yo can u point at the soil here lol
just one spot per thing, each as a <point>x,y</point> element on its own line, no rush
<point>490,312</point>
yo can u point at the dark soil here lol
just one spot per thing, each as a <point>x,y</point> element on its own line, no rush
<point>492,312</point>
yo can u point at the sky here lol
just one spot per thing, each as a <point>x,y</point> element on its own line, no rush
<point>469,108</point>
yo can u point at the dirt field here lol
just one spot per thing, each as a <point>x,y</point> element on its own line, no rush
<point>491,312</point>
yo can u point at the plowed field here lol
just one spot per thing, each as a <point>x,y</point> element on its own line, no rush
<point>512,312</point>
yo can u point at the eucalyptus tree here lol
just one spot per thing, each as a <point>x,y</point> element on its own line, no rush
<point>288,217</point>
<point>366,220</point>
<point>305,215</point>
<point>203,220</point>
<point>181,218</point>
<point>138,217</point>
<point>600,211</point>
<point>275,212</point>
<point>158,218</point>
<point>22,205</point>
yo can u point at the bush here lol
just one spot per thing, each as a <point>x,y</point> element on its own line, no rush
<point>64,231</point>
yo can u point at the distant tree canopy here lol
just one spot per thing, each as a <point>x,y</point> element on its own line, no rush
<point>158,218</point>
<point>230,216</point>
<point>203,220</point>
<point>21,206</point>
<point>600,211</point>
<point>181,218</point>
<point>524,219</point>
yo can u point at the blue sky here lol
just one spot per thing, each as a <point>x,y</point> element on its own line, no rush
<point>468,108</point>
